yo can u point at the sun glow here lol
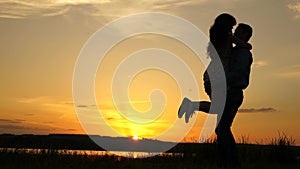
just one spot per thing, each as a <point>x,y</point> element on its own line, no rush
<point>135,137</point>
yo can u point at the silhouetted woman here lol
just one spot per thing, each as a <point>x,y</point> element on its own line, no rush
<point>222,40</point>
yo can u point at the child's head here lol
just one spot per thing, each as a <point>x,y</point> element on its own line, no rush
<point>243,31</point>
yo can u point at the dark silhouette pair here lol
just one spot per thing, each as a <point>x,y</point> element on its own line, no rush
<point>236,62</point>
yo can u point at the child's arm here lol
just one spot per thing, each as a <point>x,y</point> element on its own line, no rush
<point>240,42</point>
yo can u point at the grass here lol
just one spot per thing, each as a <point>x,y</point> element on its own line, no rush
<point>280,153</point>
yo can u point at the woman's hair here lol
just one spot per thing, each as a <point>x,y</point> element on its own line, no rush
<point>219,31</point>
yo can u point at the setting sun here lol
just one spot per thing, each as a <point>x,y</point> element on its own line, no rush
<point>135,137</point>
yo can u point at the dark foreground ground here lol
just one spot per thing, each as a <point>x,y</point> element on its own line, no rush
<point>51,152</point>
<point>252,157</point>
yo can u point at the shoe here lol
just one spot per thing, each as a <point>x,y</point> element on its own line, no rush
<point>189,111</point>
<point>183,107</point>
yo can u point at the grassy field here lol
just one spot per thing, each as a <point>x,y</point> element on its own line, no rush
<point>279,154</point>
<point>252,157</point>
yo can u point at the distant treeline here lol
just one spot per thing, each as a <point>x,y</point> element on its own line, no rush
<point>51,141</point>
<point>84,142</point>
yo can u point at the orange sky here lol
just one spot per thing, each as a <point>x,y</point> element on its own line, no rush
<point>40,43</point>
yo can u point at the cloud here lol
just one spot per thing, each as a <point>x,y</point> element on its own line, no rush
<point>12,127</point>
<point>12,124</point>
<point>20,9</point>
<point>290,72</point>
<point>23,126</point>
<point>32,100</point>
<point>69,103</point>
<point>260,63</point>
<point>295,74</point>
<point>59,107</point>
<point>295,8</point>
<point>9,121</point>
<point>259,110</point>
<point>167,4</point>
<point>82,106</point>
<point>29,114</point>
<point>23,9</point>
<point>81,1</point>
<point>46,101</point>
<point>87,106</point>
<point>113,8</point>
<point>296,66</point>
<point>110,118</point>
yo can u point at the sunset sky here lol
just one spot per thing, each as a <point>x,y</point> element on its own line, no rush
<point>41,41</point>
